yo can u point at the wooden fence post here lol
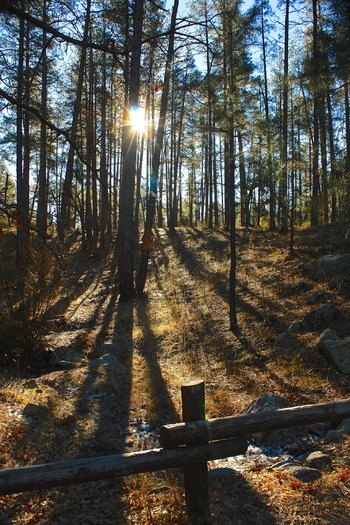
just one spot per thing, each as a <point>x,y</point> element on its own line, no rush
<point>196,476</point>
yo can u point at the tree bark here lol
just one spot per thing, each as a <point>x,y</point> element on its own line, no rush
<point>126,231</point>
<point>147,235</point>
<point>64,215</point>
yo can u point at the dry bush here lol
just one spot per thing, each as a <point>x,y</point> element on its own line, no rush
<point>28,291</point>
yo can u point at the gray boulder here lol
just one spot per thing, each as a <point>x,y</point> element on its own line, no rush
<point>305,474</point>
<point>318,460</point>
<point>65,357</point>
<point>331,265</point>
<point>296,327</point>
<point>33,410</point>
<point>320,296</point>
<point>344,426</point>
<point>110,364</point>
<point>321,317</point>
<point>337,350</point>
<point>264,404</point>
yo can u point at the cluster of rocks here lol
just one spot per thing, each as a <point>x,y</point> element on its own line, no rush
<point>106,364</point>
<point>335,270</point>
<point>295,451</point>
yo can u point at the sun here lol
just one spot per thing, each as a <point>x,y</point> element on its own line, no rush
<point>137,118</point>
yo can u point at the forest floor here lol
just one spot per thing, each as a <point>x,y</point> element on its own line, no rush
<point>179,331</point>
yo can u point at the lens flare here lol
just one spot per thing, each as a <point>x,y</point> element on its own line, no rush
<point>137,118</point>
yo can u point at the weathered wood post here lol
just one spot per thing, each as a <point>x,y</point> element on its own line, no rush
<point>196,475</point>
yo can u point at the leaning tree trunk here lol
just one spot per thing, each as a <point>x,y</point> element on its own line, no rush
<point>151,204</point>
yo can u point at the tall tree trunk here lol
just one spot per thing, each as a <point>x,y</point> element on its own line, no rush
<point>284,152</point>
<point>271,181</point>
<point>64,215</point>
<point>147,236</point>
<point>104,208</point>
<point>323,148</point>
<point>315,149</point>
<point>233,258</point>
<point>347,138</point>
<point>332,176</point>
<point>243,185</point>
<point>209,166</point>
<point>126,232</point>
<point>19,141</point>
<point>42,179</point>
<point>177,150</point>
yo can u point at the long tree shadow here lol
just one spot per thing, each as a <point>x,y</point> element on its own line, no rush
<point>235,501</point>
<point>93,421</point>
<point>98,425</point>
<point>267,315</point>
<point>163,407</point>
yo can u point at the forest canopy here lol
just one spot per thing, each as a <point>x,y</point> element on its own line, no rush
<point>254,105</point>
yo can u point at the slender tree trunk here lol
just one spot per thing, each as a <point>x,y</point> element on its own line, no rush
<point>104,208</point>
<point>271,181</point>
<point>42,179</point>
<point>126,232</point>
<point>19,147</point>
<point>243,185</point>
<point>284,151</point>
<point>209,166</point>
<point>332,158</point>
<point>323,148</point>
<point>64,215</point>
<point>147,236</point>
<point>347,138</point>
<point>177,148</point>
<point>233,258</point>
<point>315,150</point>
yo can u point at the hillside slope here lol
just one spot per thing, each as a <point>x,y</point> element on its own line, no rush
<point>179,331</point>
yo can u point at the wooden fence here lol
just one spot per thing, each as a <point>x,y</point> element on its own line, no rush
<point>190,444</point>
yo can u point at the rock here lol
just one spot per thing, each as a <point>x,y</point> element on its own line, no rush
<point>281,338</point>
<point>111,365</point>
<point>222,474</point>
<point>320,296</point>
<point>344,426</point>
<point>336,350</point>
<point>106,348</point>
<point>32,410</point>
<point>265,404</point>
<point>296,327</point>
<point>106,358</point>
<point>336,282</point>
<point>327,335</point>
<point>331,265</point>
<point>318,460</point>
<point>31,384</point>
<point>317,429</point>
<point>303,286</point>
<point>305,474</point>
<point>347,238</point>
<point>333,436</point>
<point>321,317</point>
<point>65,357</point>
<point>326,250</point>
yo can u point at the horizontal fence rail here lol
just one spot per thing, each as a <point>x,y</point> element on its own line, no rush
<point>50,475</point>
<point>190,444</point>
<point>227,427</point>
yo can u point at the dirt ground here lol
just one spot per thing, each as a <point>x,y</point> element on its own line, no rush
<point>177,332</point>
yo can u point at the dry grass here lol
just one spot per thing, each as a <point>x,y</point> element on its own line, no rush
<point>179,331</point>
